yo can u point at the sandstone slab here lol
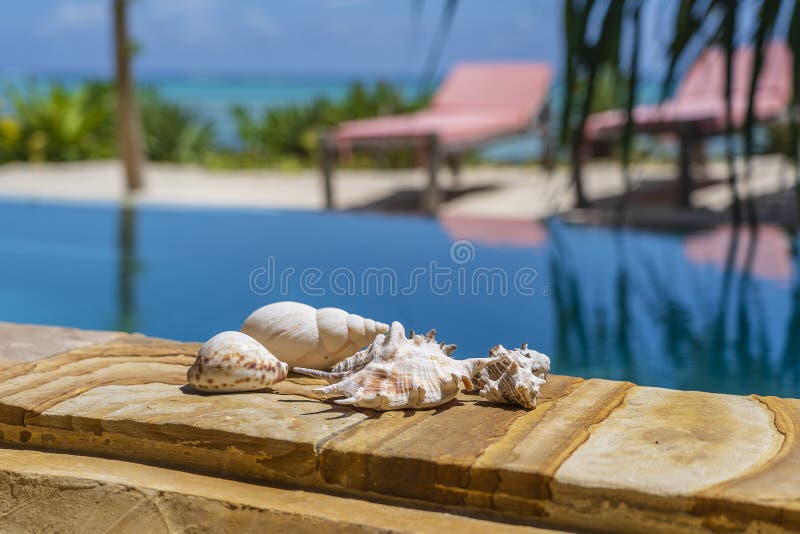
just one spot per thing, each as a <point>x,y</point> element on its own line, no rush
<point>128,399</point>
<point>657,452</point>
<point>595,454</point>
<point>687,440</point>
<point>772,491</point>
<point>26,342</point>
<point>50,492</point>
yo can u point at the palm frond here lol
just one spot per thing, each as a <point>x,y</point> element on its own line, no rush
<point>794,44</point>
<point>437,45</point>
<point>767,17</point>
<point>688,23</point>
<point>727,35</point>
<point>633,82</point>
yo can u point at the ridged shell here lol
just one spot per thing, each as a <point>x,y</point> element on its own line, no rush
<point>401,373</point>
<point>513,376</point>
<point>361,358</point>
<point>303,336</point>
<point>233,361</point>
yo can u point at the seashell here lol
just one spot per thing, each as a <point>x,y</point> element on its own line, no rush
<point>536,362</point>
<point>354,363</point>
<point>233,361</point>
<point>513,376</point>
<point>396,372</point>
<point>357,361</point>
<point>516,385</point>
<point>303,336</point>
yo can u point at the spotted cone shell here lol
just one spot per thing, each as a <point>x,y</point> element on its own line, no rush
<point>233,361</point>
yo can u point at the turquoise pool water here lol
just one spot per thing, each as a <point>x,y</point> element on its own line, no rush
<point>658,309</point>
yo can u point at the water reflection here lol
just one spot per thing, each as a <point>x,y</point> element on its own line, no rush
<point>572,339</point>
<point>127,268</point>
<point>677,319</point>
<point>791,355</point>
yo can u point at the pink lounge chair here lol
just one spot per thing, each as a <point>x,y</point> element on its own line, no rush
<point>477,103</point>
<point>698,108</point>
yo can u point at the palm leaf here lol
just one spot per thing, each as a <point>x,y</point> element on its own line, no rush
<point>576,19</point>
<point>727,35</point>
<point>687,28</point>
<point>767,17</point>
<point>633,81</point>
<point>604,51</point>
<point>438,44</point>
<point>794,44</point>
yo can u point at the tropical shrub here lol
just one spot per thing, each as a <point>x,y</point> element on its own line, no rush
<point>174,133</point>
<point>58,124</point>
<point>55,123</point>
<point>294,130</point>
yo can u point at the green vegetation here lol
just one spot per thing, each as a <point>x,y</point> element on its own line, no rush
<point>60,124</point>
<point>293,132</point>
<point>174,133</point>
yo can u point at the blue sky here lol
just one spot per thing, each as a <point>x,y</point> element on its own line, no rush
<point>363,37</point>
<point>268,37</point>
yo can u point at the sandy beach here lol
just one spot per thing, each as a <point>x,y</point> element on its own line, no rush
<point>516,192</point>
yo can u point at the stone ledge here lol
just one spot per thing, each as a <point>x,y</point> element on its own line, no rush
<point>26,343</point>
<point>595,453</point>
<point>84,494</point>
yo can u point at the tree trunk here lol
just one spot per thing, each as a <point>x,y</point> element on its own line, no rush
<point>129,136</point>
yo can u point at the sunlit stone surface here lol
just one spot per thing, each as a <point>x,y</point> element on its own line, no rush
<point>593,454</point>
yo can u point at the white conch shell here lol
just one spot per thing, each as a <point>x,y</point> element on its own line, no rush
<point>401,373</point>
<point>303,336</point>
<point>233,361</point>
<point>513,376</point>
<point>357,361</point>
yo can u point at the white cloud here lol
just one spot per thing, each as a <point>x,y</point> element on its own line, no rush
<point>76,16</point>
<point>193,21</point>
<point>260,23</point>
<point>183,8</point>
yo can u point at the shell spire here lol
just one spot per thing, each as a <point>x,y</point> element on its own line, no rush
<point>314,338</point>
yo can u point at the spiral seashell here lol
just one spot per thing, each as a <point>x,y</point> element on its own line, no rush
<point>303,336</point>
<point>357,361</point>
<point>516,385</point>
<point>396,372</point>
<point>233,361</point>
<point>513,376</point>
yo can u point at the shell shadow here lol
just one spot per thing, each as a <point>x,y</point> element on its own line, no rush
<point>504,407</point>
<point>186,389</point>
<point>329,407</point>
<point>372,414</point>
<point>342,411</point>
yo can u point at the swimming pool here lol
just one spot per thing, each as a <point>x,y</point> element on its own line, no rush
<point>658,309</point>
